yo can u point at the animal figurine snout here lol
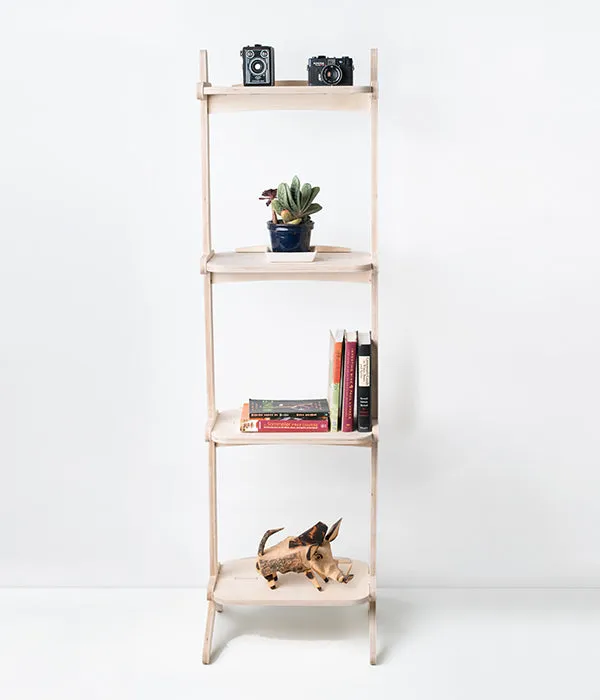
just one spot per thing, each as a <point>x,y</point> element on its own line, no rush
<point>308,554</point>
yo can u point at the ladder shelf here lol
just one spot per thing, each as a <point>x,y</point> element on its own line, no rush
<point>237,582</point>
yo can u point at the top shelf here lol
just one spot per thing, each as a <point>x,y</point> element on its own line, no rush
<point>285,94</point>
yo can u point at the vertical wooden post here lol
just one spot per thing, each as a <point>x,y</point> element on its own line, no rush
<point>374,236</point>
<point>208,340</point>
<point>206,240</point>
<point>374,360</point>
<point>205,136</point>
<point>212,508</point>
<point>374,173</point>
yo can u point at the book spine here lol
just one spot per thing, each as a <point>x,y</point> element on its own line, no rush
<point>268,425</point>
<point>349,387</point>
<point>335,388</point>
<point>363,402</point>
<point>320,415</point>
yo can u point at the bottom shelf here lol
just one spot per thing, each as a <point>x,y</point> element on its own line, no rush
<point>239,583</point>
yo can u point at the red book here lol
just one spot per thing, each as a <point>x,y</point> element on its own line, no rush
<point>349,381</point>
<point>283,425</point>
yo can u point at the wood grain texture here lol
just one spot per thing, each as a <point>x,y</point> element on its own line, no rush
<point>227,433</point>
<point>239,583</point>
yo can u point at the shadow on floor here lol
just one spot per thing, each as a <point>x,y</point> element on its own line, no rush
<point>313,623</point>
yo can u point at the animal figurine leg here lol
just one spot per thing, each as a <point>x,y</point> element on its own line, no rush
<point>313,579</point>
<point>271,579</point>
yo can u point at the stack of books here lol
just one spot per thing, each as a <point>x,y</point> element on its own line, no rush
<point>347,407</point>
<point>285,416</point>
<point>350,381</point>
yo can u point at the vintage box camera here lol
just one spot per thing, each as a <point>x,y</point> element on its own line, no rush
<point>258,65</point>
<point>330,71</point>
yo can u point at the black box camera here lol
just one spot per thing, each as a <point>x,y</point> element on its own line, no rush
<point>258,65</point>
<point>330,71</point>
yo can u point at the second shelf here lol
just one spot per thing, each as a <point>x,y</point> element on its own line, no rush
<point>353,266</point>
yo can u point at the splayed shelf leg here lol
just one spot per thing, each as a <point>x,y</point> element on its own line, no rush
<point>372,632</point>
<point>210,625</point>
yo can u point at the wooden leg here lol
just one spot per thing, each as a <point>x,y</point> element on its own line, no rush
<point>372,632</point>
<point>210,625</point>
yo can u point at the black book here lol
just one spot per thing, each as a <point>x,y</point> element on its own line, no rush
<point>313,409</point>
<point>363,393</point>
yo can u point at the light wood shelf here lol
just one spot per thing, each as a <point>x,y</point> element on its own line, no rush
<point>253,267</point>
<point>287,94</point>
<point>226,432</point>
<point>238,583</point>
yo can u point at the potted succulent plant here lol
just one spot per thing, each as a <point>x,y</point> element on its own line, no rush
<point>291,208</point>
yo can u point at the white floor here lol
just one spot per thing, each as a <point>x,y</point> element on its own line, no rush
<point>465,644</point>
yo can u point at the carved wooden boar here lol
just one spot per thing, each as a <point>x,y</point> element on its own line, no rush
<point>308,554</point>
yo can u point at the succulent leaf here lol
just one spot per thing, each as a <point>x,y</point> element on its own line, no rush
<point>313,209</point>
<point>283,195</point>
<point>295,192</point>
<point>313,193</point>
<point>276,204</point>
<point>287,216</point>
<point>304,195</point>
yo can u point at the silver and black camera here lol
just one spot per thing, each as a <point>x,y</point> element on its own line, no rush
<point>258,65</point>
<point>330,71</point>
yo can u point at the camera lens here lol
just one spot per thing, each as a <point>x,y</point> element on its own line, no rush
<point>249,54</point>
<point>332,75</point>
<point>264,53</point>
<point>257,66</point>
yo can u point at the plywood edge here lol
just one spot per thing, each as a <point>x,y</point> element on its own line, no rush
<point>238,102</point>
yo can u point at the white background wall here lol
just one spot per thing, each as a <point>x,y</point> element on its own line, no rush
<point>489,288</point>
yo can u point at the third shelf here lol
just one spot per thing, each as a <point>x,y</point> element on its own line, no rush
<point>226,431</point>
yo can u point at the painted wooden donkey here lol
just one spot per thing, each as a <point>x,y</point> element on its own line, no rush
<point>308,554</point>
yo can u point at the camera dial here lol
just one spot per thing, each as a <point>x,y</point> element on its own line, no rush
<point>249,54</point>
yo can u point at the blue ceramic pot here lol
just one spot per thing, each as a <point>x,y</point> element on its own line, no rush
<point>286,238</point>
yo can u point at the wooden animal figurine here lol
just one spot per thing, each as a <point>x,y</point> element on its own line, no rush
<point>308,554</point>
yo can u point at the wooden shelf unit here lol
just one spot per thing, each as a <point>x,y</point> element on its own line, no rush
<point>237,582</point>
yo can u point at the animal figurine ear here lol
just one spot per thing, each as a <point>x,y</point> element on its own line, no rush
<point>334,531</point>
<point>314,535</point>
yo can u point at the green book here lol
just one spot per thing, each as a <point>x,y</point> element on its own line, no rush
<point>336,349</point>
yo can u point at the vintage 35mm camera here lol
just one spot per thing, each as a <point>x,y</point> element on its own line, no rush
<point>258,65</point>
<point>330,71</point>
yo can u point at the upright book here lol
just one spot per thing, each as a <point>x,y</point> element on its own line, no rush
<point>336,346</point>
<point>289,408</point>
<point>349,382</point>
<point>363,401</point>
<point>281,425</point>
